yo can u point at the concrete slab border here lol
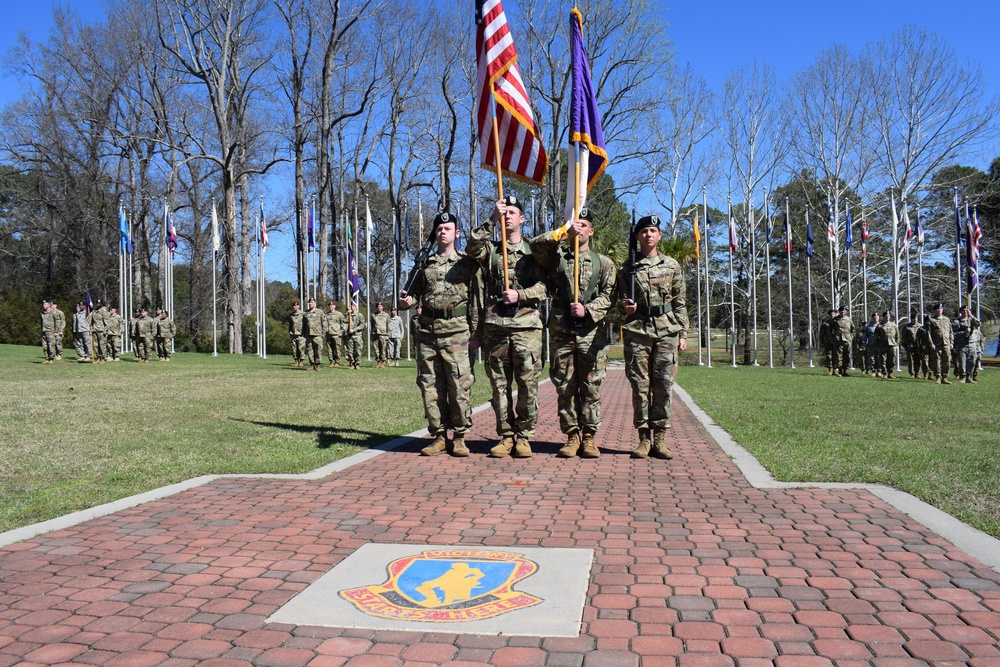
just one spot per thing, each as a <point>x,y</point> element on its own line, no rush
<point>972,541</point>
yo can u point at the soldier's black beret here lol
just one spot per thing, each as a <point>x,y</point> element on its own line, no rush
<point>445,217</point>
<point>646,221</point>
<point>843,308</point>
<point>585,214</point>
<point>512,200</point>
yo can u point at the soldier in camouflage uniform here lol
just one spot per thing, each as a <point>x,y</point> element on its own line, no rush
<point>333,327</point>
<point>579,341</point>
<point>655,326</point>
<point>48,333</point>
<point>887,344</point>
<point>295,328</point>
<point>354,324</point>
<point>312,331</point>
<point>116,327</point>
<point>448,326</point>
<point>826,341</point>
<point>99,328</point>
<point>380,334</point>
<point>145,336</point>
<point>81,332</point>
<point>908,338</point>
<point>165,332</point>
<point>60,318</point>
<point>968,332</point>
<point>396,330</point>
<point>512,331</point>
<point>843,332</point>
<point>869,345</point>
<point>925,345</point>
<point>941,342</point>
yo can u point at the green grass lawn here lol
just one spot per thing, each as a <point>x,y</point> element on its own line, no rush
<point>77,435</point>
<point>939,443</point>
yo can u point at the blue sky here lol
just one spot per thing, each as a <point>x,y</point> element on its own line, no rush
<point>715,37</point>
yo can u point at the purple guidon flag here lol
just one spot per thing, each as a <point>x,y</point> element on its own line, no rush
<point>585,134</point>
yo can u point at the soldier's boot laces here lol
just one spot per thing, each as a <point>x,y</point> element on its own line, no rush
<point>589,449</point>
<point>642,449</point>
<point>522,448</point>
<point>572,446</point>
<point>660,449</point>
<point>438,445</point>
<point>503,448</point>
<point>458,447</point>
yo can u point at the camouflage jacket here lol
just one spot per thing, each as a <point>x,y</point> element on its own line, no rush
<point>659,293</point>
<point>826,338</point>
<point>354,324</point>
<point>380,323</point>
<point>99,320</point>
<point>596,291</point>
<point>333,323</point>
<point>909,336</point>
<point>48,322</point>
<point>843,329</point>
<point>81,322</point>
<point>941,332</point>
<point>448,290</point>
<point>165,328</point>
<point>116,325</point>
<point>523,275</point>
<point>312,323</point>
<point>966,332</point>
<point>923,340</point>
<point>295,324</point>
<point>145,327</point>
<point>60,317</point>
<point>886,335</point>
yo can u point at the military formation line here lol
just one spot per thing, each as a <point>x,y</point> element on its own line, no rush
<point>97,333</point>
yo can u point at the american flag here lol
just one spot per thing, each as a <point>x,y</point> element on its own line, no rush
<point>972,250</point>
<point>732,230</point>
<point>864,238</point>
<point>264,243</point>
<point>171,231</point>
<point>501,91</point>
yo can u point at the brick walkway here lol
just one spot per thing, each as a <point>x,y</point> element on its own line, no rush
<point>693,566</point>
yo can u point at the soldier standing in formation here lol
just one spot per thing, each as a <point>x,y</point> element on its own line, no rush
<point>144,336</point>
<point>871,350</point>
<point>60,319</point>
<point>512,334</point>
<point>908,337</point>
<point>48,333</point>
<point>380,334</point>
<point>395,337</point>
<point>165,332</point>
<point>312,331</point>
<point>99,329</point>
<point>116,327</point>
<point>941,341</point>
<point>81,333</point>
<point>887,345</point>
<point>860,352</point>
<point>578,338</point>
<point>295,327</point>
<point>655,325</point>
<point>968,333</point>
<point>448,322</point>
<point>353,326</point>
<point>826,340</point>
<point>333,327</point>
<point>843,332</point>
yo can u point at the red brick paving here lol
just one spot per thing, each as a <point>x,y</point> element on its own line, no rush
<point>693,566</point>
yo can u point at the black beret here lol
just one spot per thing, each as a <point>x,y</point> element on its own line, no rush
<point>512,200</point>
<point>647,221</point>
<point>585,214</point>
<point>443,217</point>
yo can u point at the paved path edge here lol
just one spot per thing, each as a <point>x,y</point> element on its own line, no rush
<point>971,540</point>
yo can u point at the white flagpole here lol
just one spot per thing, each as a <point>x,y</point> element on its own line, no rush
<point>906,245</point>
<point>831,225</point>
<point>958,247</point>
<point>732,293</point>
<point>215,296</point>
<point>895,259</point>
<point>129,346</point>
<point>864,264</point>
<point>368,274</point>
<point>708,286</point>
<point>809,300</point>
<point>767,265</point>
<point>847,252</point>
<point>788,257</point>
<point>697,274</point>
<point>752,275</point>
<point>920,264</point>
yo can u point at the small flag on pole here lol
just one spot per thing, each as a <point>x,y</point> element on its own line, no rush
<point>864,237</point>
<point>368,229</point>
<point>352,266</point>
<point>264,243</point>
<point>216,240</point>
<point>850,234</point>
<point>732,232</point>
<point>920,230</point>
<point>171,232</point>
<point>697,239</point>
<point>809,238</point>
<point>500,91</point>
<point>786,245</point>
<point>310,230</point>
<point>975,233</point>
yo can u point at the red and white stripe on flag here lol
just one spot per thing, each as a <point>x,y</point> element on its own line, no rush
<point>864,238</point>
<point>732,233</point>
<point>521,152</point>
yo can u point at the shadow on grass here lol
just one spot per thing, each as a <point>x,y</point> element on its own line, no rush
<point>327,437</point>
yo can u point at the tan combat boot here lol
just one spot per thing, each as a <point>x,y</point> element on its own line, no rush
<point>660,449</point>
<point>522,448</point>
<point>458,447</point>
<point>503,449</point>
<point>589,449</point>
<point>944,380</point>
<point>642,449</point>
<point>436,447</point>
<point>571,447</point>
<point>829,371</point>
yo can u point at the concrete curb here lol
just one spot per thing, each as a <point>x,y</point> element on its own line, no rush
<point>974,542</point>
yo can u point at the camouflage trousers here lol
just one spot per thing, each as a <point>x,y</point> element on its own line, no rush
<point>49,346</point>
<point>100,345</point>
<point>940,361</point>
<point>381,344</point>
<point>886,359</point>
<point>444,375</point>
<point>163,347</point>
<point>395,345</point>
<point>114,346</point>
<point>649,366</point>
<point>314,350</point>
<point>513,359</point>
<point>143,346</point>
<point>841,356</point>
<point>827,357</point>
<point>579,366</point>
<point>81,341</point>
<point>916,362</point>
<point>298,348</point>
<point>968,360</point>
<point>334,347</point>
<point>59,338</point>
<point>352,349</point>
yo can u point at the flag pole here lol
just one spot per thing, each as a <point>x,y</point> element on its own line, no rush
<point>830,237</point>
<point>496,159</point>
<point>576,239</point>
<point>697,273</point>
<point>215,296</point>
<point>864,262</point>
<point>848,236</point>
<point>732,292</point>
<point>958,248</point>
<point>788,258</point>
<point>959,254</point>
<point>895,259</point>
<point>368,276</point>
<point>131,295</point>
<point>906,243</point>
<point>708,284</point>
<point>920,262</point>
<point>767,265</point>
<point>809,301</point>
<point>752,276</point>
